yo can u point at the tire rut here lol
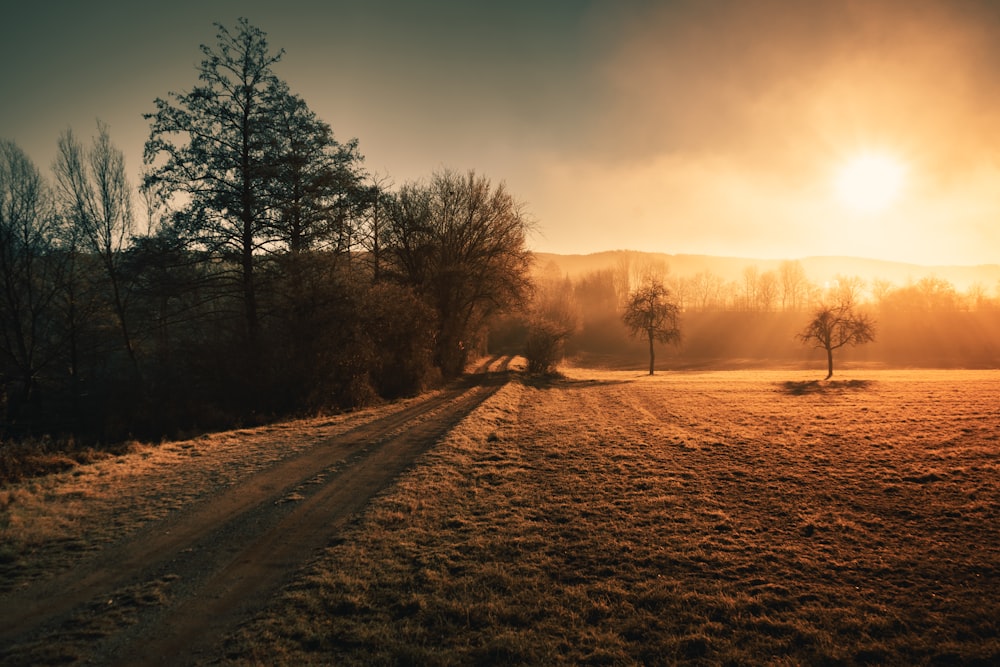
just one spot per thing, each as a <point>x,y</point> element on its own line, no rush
<point>223,559</point>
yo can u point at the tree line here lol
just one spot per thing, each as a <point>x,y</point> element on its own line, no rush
<point>760,318</point>
<point>604,292</point>
<point>784,289</point>
<point>256,271</point>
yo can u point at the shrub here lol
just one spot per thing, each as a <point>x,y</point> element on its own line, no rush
<point>544,346</point>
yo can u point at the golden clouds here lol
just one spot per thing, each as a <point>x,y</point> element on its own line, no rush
<point>721,124</point>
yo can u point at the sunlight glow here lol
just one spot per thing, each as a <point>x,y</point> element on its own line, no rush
<point>870,182</point>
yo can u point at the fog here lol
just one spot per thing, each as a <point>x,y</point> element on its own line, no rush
<point>750,319</point>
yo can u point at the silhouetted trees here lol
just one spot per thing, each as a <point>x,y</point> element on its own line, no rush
<point>553,317</point>
<point>313,181</point>
<point>263,189</point>
<point>375,201</point>
<point>218,142</point>
<point>834,326</point>
<point>650,312</point>
<point>753,318</point>
<point>459,242</point>
<point>30,280</point>
<point>794,284</point>
<point>273,276</point>
<point>706,289</point>
<point>95,200</point>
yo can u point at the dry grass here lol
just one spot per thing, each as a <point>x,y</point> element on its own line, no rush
<point>706,518</point>
<point>46,523</point>
<point>101,618</point>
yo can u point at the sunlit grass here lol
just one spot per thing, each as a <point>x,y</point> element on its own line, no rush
<point>47,522</point>
<point>710,518</point>
<point>744,517</point>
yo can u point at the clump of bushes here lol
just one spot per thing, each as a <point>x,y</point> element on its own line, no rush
<point>543,348</point>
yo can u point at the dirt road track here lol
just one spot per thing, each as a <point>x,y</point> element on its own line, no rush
<point>221,560</point>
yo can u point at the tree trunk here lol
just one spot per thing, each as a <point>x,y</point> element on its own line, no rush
<point>652,353</point>
<point>119,305</point>
<point>252,371</point>
<point>249,291</point>
<point>829,363</point>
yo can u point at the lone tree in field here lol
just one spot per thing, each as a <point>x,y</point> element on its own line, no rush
<point>833,327</point>
<point>650,312</point>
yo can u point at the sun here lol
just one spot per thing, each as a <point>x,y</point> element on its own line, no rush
<point>870,182</point>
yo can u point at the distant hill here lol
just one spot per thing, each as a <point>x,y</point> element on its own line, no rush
<point>818,269</point>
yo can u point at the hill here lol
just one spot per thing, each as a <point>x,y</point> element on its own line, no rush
<point>818,269</point>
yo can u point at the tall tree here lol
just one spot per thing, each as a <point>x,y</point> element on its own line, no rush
<point>96,200</point>
<point>211,146</point>
<point>793,284</point>
<point>707,289</point>
<point>29,279</point>
<point>767,291</point>
<point>834,326</point>
<point>749,295</point>
<point>314,181</point>
<point>376,199</point>
<point>460,242</point>
<point>846,289</point>
<point>312,196</point>
<point>651,312</point>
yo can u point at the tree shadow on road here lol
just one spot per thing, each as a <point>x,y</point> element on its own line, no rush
<point>823,386</point>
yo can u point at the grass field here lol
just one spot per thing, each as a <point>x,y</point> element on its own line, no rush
<point>706,518</point>
<point>738,517</point>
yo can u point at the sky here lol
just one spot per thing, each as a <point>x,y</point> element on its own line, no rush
<point>686,127</point>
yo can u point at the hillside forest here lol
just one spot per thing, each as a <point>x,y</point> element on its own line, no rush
<point>742,313</point>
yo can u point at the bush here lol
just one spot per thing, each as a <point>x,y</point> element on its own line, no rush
<point>400,329</point>
<point>544,346</point>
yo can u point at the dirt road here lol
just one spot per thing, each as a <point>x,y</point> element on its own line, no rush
<point>171,592</point>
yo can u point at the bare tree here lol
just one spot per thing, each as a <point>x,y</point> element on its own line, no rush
<point>767,291</point>
<point>28,278</point>
<point>793,284</point>
<point>375,203</point>
<point>651,312</point>
<point>833,327</point>
<point>96,199</point>
<point>847,289</point>
<point>750,277</point>
<point>881,288</point>
<point>154,207</point>
<point>976,296</point>
<point>681,287</point>
<point>211,146</point>
<point>707,289</point>
<point>460,242</point>
<point>623,277</point>
<point>648,268</point>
